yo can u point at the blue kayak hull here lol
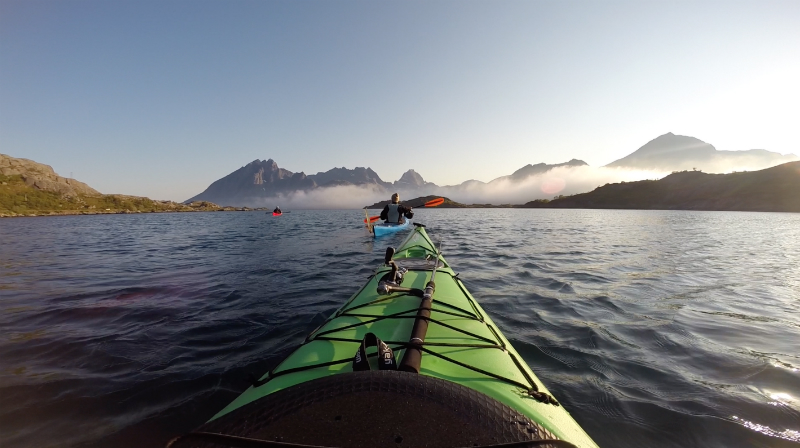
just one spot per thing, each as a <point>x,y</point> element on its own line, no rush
<point>386,229</point>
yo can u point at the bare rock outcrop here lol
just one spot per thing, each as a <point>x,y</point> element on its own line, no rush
<point>42,177</point>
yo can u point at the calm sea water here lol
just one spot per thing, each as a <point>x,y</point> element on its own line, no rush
<point>653,328</point>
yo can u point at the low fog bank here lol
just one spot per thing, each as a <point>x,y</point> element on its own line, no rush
<point>558,181</point>
<point>332,198</point>
<point>753,161</point>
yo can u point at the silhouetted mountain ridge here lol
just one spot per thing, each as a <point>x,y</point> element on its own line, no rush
<point>670,152</point>
<point>770,190</point>
<point>532,170</point>
<point>344,176</point>
<point>259,180</point>
<point>412,180</point>
<point>262,179</point>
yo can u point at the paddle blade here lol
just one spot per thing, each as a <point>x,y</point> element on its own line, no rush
<point>372,219</point>
<point>434,202</point>
<point>366,221</point>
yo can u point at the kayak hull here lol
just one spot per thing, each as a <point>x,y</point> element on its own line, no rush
<point>388,229</point>
<point>372,408</point>
<point>467,368</point>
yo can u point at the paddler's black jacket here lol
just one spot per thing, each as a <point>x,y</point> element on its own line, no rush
<point>402,210</point>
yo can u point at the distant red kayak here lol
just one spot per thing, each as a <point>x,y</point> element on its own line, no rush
<point>276,214</point>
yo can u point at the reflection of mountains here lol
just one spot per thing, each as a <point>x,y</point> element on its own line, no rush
<point>258,180</point>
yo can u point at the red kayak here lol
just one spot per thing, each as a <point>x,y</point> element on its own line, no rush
<point>277,214</point>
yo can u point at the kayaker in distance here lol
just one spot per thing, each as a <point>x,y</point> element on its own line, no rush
<point>277,210</point>
<point>393,213</point>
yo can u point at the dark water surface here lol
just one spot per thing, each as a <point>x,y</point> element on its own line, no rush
<point>653,328</point>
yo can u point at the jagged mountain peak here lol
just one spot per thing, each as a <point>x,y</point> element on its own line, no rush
<point>257,164</point>
<point>411,177</point>
<point>257,179</point>
<point>342,176</point>
<point>412,180</point>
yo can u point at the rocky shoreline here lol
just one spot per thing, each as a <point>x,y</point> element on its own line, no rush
<point>160,207</point>
<point>29,188</point>
<point>120,212</point>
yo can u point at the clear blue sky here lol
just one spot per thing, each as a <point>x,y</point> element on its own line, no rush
<point>161,98</point>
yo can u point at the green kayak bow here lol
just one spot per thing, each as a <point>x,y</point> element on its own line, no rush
<point>410,360</point>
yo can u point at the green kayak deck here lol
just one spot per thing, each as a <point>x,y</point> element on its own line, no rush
<point>462,346</point>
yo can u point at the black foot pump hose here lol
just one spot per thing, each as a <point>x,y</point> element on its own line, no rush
<point>412,358</point>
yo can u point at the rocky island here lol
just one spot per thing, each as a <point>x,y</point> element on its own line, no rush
<point>448,203</point>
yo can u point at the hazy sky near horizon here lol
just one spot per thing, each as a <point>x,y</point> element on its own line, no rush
<point>161,98</point>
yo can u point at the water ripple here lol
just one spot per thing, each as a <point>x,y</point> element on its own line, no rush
<point>653,328</point>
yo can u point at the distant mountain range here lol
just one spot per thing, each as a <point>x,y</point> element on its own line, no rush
<point>260,180</point>
<point>29,188</point>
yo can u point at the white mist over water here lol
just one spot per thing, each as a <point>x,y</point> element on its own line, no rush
<point>333,198</point>
<point>555,182</point>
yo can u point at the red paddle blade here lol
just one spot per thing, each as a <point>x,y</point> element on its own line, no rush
<point>434,203</point>
<point>372,219</point>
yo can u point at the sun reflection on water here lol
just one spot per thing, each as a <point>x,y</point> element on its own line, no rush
<point>786,434</point>
<point>783,399</point>
<point>784,366</point>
